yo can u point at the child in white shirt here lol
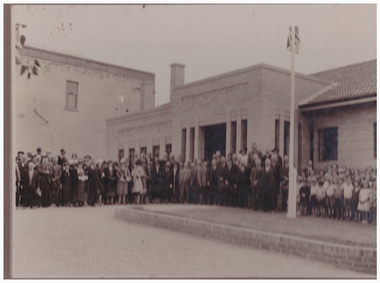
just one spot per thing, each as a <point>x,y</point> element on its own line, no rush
<point>348,188</point>
<point>364,201</point>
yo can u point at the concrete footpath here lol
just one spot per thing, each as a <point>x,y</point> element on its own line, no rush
<point>343,244</point>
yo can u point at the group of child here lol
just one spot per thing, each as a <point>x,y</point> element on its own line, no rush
<point>339,193</point>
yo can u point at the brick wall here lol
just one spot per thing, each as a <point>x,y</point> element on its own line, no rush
<point>82,131</point>
<point>355,134</point>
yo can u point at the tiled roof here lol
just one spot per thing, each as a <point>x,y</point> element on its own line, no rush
<point>349,82</point>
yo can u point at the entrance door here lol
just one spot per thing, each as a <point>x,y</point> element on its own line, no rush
<point>215,140</point>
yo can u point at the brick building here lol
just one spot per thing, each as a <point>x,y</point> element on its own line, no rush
<point>342,117</point>
<point>233,110</point>
<point>66,105</point>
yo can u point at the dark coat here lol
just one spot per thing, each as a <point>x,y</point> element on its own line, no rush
<point>267,181</point>
<point>26,181</point>
<point>156,180</point>
<point>243,178</point>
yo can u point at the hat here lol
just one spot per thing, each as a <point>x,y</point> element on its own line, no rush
<point>87,156</point>
<point>62,150</point>
<point>20,152</point>
<point>275,150</point>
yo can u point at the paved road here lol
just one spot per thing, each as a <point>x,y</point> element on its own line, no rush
<point>89,242</point>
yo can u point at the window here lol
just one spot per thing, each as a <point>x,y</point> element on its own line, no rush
<point>244,128</point>
<point>286,137</point>
<point>143,151</point>
<point>374,141</point>
<point>328,144</point>
<point>168,148</point>
<point>183,145</point>
<point>71,95</point>
<point>156,151</point>
<point>121,154</point>
<point>131,153</point>
<point>277,134</point>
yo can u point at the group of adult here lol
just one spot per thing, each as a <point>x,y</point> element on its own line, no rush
<point>251,180</point>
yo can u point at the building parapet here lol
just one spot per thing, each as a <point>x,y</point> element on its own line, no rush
<point>85,63</point>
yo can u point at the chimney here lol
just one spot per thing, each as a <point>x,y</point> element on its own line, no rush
<point>147,96</point>
<point>177,76</point>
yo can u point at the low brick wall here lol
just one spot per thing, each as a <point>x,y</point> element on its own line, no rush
<point>360,259</point>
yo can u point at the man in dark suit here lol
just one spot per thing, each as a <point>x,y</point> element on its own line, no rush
<point>56,181</point>
<point>20,167</point>
<point>213,181</point>
<point>221,191</point>
<point>156,175</point>
<point>276,165</point>
<point>267,187</point>
<point>243,185</point>
<point>256,172</point>
<point>230,184</point>
<point>30,184</point>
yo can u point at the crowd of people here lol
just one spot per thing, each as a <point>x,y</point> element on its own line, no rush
<point>248,180</point>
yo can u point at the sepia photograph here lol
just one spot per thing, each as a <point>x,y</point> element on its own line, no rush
<point>191,141</point>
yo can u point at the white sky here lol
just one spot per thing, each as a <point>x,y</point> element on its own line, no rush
<point>208,39</point>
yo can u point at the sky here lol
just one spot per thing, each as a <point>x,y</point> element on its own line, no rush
<point>208,39</point>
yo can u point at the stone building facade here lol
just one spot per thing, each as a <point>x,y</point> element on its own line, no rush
<point>66,105</point>
<point>226,112</point>
<point>335,117</point>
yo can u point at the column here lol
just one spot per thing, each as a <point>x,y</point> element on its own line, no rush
<point>238,131</point>
<point>187,158</point>
<point>282,130</point>
<point>196,140</point>
<point>228,134</point>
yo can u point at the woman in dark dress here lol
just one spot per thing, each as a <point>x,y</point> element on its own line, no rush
<point>92,184</point>
<point>104,191</point>
<point>99,186</point>
<point>66,185</point>
<point>73,171</point>
<point>167,183</point>
<point>155,174</point>
<point>109,181</point>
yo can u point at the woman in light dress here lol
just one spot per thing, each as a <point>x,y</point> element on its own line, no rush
<point>138,174</point>
<point>123,178</point>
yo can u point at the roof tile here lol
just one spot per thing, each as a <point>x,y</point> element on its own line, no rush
<point>349,82</point>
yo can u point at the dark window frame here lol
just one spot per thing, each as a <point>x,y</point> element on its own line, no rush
<point>328,144</point>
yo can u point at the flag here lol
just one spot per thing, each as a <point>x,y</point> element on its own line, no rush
<point>297,40</point>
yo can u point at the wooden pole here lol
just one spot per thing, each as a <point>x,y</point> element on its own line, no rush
<point>292,184</point>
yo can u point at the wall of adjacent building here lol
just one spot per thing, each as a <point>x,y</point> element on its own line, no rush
<point>142,129</point>
<point>355,134</point>
<point>81,131</point>
<point>276,105</point>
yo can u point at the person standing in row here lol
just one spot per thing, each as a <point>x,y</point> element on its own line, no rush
<point>56,182</point>
<point>45,181</point>
<point>30,184</point>
<point>267,187</point>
